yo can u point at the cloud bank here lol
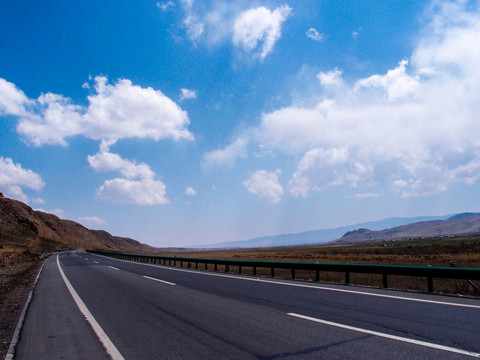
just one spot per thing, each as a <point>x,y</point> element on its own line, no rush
<point>138,186</point>
<point>120,110</point>
<point>14,178</point>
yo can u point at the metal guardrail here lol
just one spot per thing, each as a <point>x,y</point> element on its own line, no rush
<point>429,272</point>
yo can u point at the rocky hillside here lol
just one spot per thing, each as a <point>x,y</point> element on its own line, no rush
<point>23,229</point>
<point>460,224</point>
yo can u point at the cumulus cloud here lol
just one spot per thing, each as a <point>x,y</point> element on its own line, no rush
<point>140,192</point>
<point>14,178</point>
<point>412,129</point>
<point>190,191</point>
<point>228,156</point>
<point>12,100</point>
<point>104,160</point>
<point>138,186</point>
<point>315,35</point>
<point>186,94</point>
<point>92,220</point>
<point>330,79</point>
<point>120,110</point>
<point>257,30</point>
<point>395,83</point>
<point>265,185</point>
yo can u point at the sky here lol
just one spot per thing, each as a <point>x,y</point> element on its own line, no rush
<point>189,122</point>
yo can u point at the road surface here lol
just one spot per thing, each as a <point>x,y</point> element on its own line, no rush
<point>92,307</point>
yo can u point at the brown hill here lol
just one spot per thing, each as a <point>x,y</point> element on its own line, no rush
<point>461,224</point>
<point>37,232</point>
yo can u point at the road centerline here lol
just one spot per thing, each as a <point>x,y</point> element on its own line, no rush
<point>387,336</point>
<point>162,281</point>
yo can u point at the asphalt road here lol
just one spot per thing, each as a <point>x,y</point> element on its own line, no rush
<point>157,312</point>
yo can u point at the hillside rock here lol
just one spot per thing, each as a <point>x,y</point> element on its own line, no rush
<point>22,228</point>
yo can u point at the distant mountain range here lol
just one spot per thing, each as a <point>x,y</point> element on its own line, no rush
<point>38,232</point>
<point>322,236</point>
<point>460,224</point>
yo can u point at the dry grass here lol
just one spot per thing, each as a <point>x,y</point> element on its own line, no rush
<point>461,251</point>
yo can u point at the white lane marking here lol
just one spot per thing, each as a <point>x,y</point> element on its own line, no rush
<point>102,336</point>
<point>162,281</point>
<point>113,267</point>
<point>86,258</point>
<point>388,336</point>
<point>303,285</point>
<point>96,262</point>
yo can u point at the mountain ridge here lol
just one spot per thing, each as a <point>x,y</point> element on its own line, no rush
<point>25,229</point>
<point>321,236</point>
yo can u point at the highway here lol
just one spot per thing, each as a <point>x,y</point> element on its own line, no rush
<point>126,310</point>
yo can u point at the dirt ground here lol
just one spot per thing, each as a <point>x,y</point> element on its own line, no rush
<point>15,284</point>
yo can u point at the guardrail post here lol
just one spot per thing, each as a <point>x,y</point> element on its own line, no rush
<point>254,271</point>
<point>239,269</point>
<point>226,268</point>
<point>215,266</point>
<point>385,280</point>
<point>347,278</point>
<point>272,272</point>
<point>317,275</point>
<point>430,284</point>
<point>206,265</point>
<point>293,274</point>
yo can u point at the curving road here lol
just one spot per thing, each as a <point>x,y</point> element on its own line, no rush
<point>125,310</point>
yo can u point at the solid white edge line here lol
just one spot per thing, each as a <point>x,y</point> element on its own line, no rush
<point>278,282</point>
<point>102,336</point>
<point>388,336</point>
<point>162,281</point>
<point>113,267</point>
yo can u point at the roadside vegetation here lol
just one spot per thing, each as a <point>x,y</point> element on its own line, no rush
<point>461,251</point>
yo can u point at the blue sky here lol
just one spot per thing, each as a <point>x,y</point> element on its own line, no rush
<point>184,122</point>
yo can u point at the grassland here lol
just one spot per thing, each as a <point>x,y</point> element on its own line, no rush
<point>452,251</point>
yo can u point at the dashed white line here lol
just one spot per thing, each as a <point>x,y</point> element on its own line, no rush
<point>102,336</point>
<point>96,262</point>
<point>113,267</point>
<point>388,336</point>
<point>162,281</point>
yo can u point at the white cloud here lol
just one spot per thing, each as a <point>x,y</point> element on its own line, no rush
<point>58,212</point>
<point>107,161</point>
<point>257,30</point>
<point>320,168</point>
<point>412,129</point>
<point>139,185</point>
<point>186,94</point>
<point>122,110</point>
<point>228,156</point>
<point>365,195</point>
<point>330,79</point>
<point>190,191</point>
<point>12,99</point>
<point>14,178</point>
<point>164,6</point>
<point>315,35</point>
<point>92,220</point>
<point>266,185</point>
<point>396,83</point>
<point>125,191</point>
